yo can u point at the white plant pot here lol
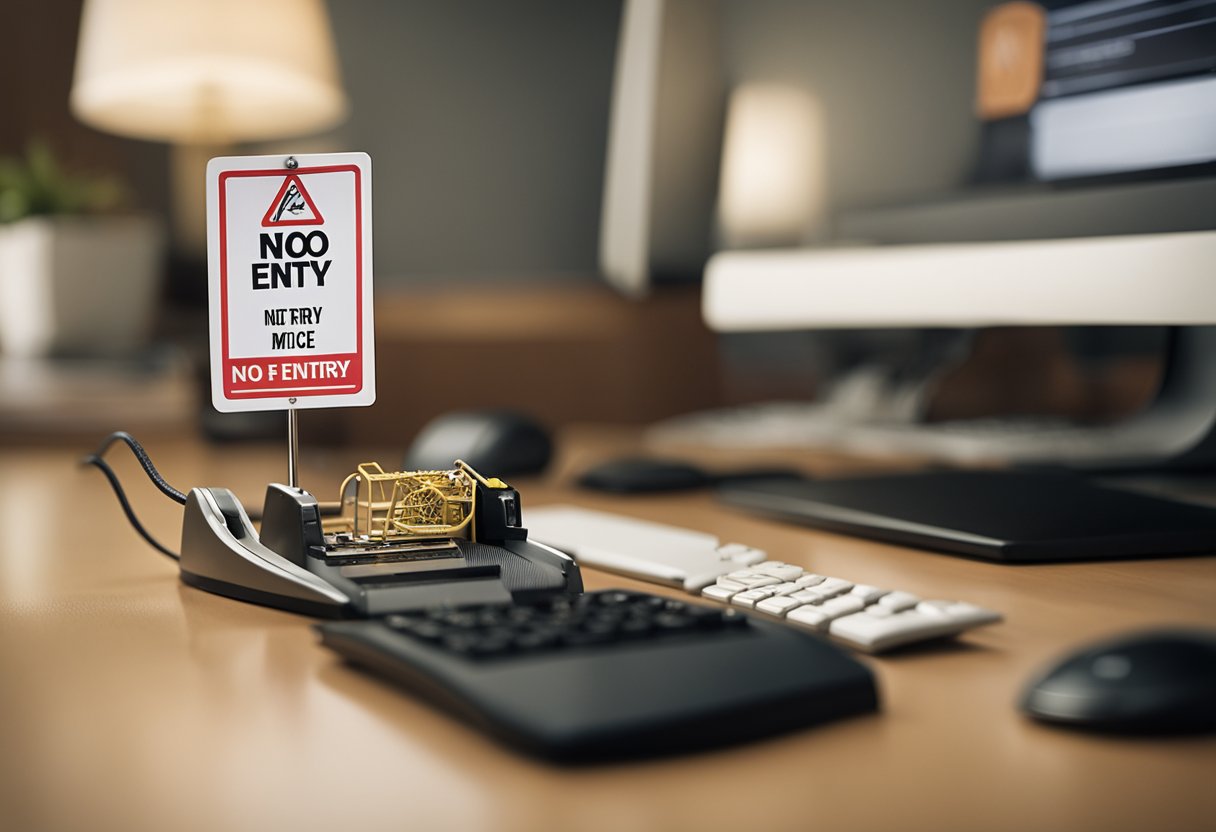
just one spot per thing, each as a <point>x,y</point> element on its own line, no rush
<point>78,285</point>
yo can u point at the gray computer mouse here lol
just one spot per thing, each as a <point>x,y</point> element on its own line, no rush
<point>500,443</point>
<point>1161,681</point>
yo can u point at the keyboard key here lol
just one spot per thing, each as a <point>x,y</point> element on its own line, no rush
<point>869,594</point>
<point>810,616</point>
<point>744,555</point>
<point>938,608</point>
<point>818,615</point>
<point>874,633</point>
<point>833,586</point>
<point>842,605</point>
<point>751,580</point>
<point>810,580</point>
<point>748,598</point>
<point>776,569</point>
<point>871,633</point>
<point>719,592</point>
<point>778,605</point>
<point>899,601</point>
<point>828,588</point>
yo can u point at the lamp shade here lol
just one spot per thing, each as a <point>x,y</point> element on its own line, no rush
<point>207,72</point>
<point>772,183</point>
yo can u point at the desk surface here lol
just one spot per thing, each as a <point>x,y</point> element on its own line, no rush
<point>128,701</point>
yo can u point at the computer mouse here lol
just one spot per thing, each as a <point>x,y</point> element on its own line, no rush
<point>644,475</point>
<point>1161,681</point>
<point>640,475</point>
<point>500,443</point>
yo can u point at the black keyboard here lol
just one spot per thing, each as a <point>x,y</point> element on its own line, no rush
<point>612,673</point>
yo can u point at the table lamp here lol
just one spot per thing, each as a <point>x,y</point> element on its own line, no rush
<point>204,75</point>
<point>773,180</point>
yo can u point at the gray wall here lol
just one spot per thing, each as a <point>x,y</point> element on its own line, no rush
<point>486,122</point>
<point>487,119</point>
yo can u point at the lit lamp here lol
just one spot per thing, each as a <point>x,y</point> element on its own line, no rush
<point>772,184</point>
<point>204,75</point>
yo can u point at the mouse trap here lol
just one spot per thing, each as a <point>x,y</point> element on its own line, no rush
<point>394,541</point>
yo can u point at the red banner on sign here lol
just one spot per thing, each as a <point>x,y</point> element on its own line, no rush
<point>293,375</point>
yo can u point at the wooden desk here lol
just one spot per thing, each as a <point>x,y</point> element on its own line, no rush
<point>131,702</point>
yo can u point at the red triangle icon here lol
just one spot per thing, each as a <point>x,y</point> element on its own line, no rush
<point>292,205</point>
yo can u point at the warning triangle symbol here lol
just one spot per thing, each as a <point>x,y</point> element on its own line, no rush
<point>292,205</point>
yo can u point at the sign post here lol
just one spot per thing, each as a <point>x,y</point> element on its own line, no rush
<point>290,284</point>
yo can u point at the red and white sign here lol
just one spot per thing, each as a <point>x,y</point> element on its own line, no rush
<point>290,279</point>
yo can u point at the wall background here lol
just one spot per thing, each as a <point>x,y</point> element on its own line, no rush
<point>487,120</point>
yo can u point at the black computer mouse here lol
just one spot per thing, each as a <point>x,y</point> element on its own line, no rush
<point>641,475</point>
<point>1162,681</point>
<point>645,475</point>
<point>499,443</point>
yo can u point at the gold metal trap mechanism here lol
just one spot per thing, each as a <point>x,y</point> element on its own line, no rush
<point>403,507</point>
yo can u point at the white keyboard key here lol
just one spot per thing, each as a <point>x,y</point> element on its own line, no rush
<point>727,582</point>
<point>874,634</point>
<point>810,580</point>
<point>751,580</point>
<point>816,616</point>
<point>939,608</point>
<point>809,616</point>
<point>787,588</point>
<point>749,597</point>
<point>972,616</point>
<point>776,569</point>
<point>761,580</point>
<point>871,633</point>
<point>898,601</point>
<point>830,588</point>
<point>778,605</point>
<point>867,593</point>
<point>842,605</point>
<point>743,555</point>
<point>833,586</point>
<point>719,592</point>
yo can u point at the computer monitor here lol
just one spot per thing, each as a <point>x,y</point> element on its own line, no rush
<point>1030,239</point>
<point>663,144</point>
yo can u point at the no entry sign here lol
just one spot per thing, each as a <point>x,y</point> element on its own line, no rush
<point>290,280</point>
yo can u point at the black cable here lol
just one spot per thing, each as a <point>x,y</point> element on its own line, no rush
<point>144,460</point>
<point>95,459</point>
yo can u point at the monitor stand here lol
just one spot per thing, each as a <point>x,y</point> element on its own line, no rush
<point>1024,515</point>
<point>1175,431</point>
<point>1178,428</point>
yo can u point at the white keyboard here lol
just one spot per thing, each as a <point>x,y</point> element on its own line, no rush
<point>867,618</point>
<point>864,617</point>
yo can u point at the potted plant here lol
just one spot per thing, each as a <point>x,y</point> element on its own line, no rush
<point>75,277</point>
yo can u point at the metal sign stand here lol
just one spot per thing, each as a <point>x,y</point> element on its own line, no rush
<point>293,434</point>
